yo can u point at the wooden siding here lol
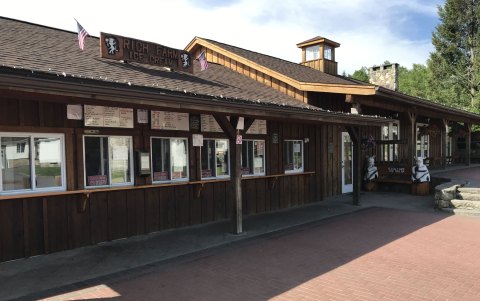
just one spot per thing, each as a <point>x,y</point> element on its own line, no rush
<point>41,224</point>
<point>327,66</point>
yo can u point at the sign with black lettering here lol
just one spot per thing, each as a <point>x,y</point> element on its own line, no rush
<point>127,49</point>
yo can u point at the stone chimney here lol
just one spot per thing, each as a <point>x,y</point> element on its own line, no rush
<point>385,76</point>
<point>319,53</point>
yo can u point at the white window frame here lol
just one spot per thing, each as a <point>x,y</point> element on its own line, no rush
<point>229,158</point>
<point>132,174</point>
<point>422,140</point>
<point>264,158</point>
<point>387,150</point>
<point>32,137</point>
<point>171,160</point>
<point>298,170</point>
<point>312,53</point>
<point>327,50</point>
<point>449,142</point>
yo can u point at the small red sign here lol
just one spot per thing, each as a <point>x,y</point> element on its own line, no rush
<point>239,139</point>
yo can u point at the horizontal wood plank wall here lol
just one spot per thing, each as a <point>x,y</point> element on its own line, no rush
<point>217,58</point>
<point>41,225</point>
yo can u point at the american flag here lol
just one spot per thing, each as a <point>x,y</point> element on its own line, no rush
<point>203,61</point>
<point>82,34</point>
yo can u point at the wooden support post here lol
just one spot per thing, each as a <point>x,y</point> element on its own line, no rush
<point>412,142</point>
<point>444,137</point>
<point>468,144</point>
<point>229,127</point>
<point>237,186</point>
<point>356,164</point>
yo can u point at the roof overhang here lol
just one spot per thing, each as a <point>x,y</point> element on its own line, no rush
<point>93,90</point>
<point>302,86</point>
<point>428,108</point>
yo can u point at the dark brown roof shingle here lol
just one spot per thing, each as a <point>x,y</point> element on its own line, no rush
<point>39,48</point>
<point>292,70</point>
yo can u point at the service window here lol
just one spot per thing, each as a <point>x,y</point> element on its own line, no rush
<point>108,161</point>
<point>215,158</point>
<point>293,156</point>
<point>253,157</point>
<point>32,162</point>
<point>169,159</point>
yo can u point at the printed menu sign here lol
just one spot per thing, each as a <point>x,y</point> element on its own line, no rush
<point>258,127</point>
<point>108,117</point>
<point>169,121</point>
<point>209,124</point>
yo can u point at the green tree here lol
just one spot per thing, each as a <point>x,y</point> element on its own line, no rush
<point>415,81</point>
<point>455,63</point>
<point>360,74</point>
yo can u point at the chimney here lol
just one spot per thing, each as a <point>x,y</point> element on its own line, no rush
<point>319,53</point>
<point>385,76</point>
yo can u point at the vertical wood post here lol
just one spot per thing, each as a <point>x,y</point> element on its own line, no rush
<point>468,144</point>
<point>444,136</point>
<point>229,127</point>
<point>237,184</point>
<point>412,142</point>
<point>356,164</point>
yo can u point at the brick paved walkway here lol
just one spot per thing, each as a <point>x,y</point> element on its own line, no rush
<point>375,254</point>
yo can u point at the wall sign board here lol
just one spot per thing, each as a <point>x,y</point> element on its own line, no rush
<point>174,121</point>
<point>209,124</point>
<point>116,47</point>
<point>110,117</point>
<point>258,127</point>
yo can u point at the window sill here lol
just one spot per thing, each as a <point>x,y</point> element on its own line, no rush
<point>87,192</point>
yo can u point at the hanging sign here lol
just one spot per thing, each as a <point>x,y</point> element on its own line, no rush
<point>197,139</point>
<point>132,50</point>
<point>74,112</point>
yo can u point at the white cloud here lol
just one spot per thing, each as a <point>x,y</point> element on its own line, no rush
<point>366,29</point>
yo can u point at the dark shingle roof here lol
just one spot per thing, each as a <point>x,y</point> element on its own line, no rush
<point>39,48</point>
<point>286,68</point>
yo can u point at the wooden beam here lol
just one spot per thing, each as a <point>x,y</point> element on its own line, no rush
<point>237,215</point>
<point>248,123</point>
<point>226,126</point>
<point>444,137</point>
<point>354,136</point>
<point>412,142</point>
<point>468,144</point>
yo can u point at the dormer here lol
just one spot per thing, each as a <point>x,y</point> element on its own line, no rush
<point>319,53</point>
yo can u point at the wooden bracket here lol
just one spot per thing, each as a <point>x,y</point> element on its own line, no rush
<point>273,182</point>
<point>85,199</point>
<point>198,190</point>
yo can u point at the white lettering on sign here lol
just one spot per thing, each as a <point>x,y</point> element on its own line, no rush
<point>396,169</point>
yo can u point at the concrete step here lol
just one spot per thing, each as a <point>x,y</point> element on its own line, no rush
<point>469,190</point>
<point>465,204</point>
<point>468,196</point>
<point>465,212</point>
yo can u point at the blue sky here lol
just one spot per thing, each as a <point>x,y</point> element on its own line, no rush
<point>369,31</point>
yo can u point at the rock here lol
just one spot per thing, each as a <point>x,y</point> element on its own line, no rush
<point>465,204</point>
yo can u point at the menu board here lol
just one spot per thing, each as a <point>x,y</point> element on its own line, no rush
<point>170,121</point>
<point>209,124</point>
<point>258,127</point>
<point>111,117</point>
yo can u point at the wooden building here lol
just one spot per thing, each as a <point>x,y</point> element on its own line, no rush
<point>97,148</point>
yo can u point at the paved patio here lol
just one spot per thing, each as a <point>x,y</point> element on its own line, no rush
<point>374,254</point>
<point>393,246</point>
